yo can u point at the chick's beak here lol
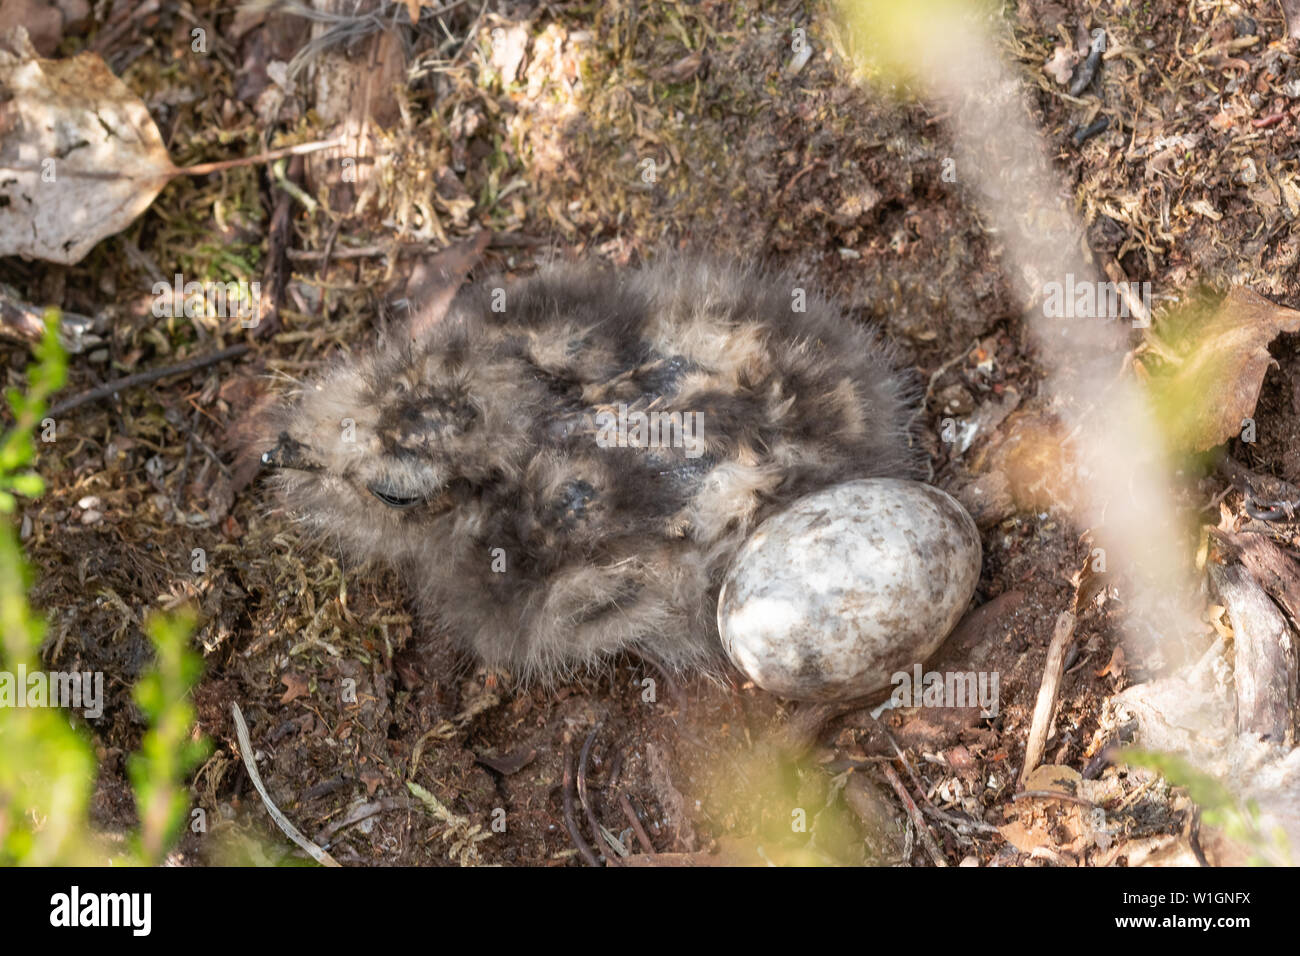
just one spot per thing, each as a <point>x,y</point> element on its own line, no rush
<point>289,453</point>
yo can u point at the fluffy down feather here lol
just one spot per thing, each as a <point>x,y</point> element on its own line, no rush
<point>484,459</point>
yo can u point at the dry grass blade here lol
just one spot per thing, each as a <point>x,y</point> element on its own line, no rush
<point>1053,669</point>
<point>291,831</point>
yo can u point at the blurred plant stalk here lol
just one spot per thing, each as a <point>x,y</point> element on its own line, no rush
<point>47,770</point>
<point>1124,482</point>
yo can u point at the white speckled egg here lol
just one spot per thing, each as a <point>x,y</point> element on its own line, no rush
<point>847,586</point>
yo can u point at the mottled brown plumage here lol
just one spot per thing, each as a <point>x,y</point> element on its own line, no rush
<point>483,458</point>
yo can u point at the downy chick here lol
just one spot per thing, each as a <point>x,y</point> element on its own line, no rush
<point>563,467</point>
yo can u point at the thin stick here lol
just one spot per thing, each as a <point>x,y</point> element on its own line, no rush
<point>1053,668</point>
<point>499,240</point>
<point>22,322</point>
<point>201,169</point>
<point>927,807</point>
<point>1052,795</point>
<point>918,821</point>
<point>109,389</point>
<point>471,35</point>
<point>566,800</point>
<point>363,812</point>
<point>291,831</point>
<point>582,795</point>
<point>637,828</point>
<point>276,273</point>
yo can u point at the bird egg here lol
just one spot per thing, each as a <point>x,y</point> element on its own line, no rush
<point>846,587</point>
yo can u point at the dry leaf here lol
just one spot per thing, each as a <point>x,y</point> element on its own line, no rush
<point>682,70</point>
<point>1089,581</point>
<point>1054,778</point>
<point>1208,394</point>
<point>1061,66</point>
<point>433,282</point>
<point>1115,666</point>
<point>372,779</point>
<point>79,153</point>
<point>1043,822</point>
<point>296,686</point>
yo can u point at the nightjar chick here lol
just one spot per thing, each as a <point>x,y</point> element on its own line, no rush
<point>562,468</point>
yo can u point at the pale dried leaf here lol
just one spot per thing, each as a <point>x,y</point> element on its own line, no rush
<point>1061,66</point>
<point>80,156</point>
<point>1213,390</point>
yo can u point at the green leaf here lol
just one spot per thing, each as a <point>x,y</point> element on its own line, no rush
<point>29,485</point>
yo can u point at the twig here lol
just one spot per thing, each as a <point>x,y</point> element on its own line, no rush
<point>206,448</point>
<point>499,240</point>
<point>1053,669</point>
<point>1052,795</point>
<point>918,821</point>
<point>324,263</point>
<point>276,273</point>
<point>291,831</point>
<point>23,322</point>
<point>678,698</point>
<point>200,169</point>
<point>582,793</point>
<point>108,389</point>
<point>637,828</point>
<point>189,450</point>
<point>363,812</point>
<point>1194,837</point>
<point>957,821</point>
<point>566,799</point>
<point>471,35</point>
<point>359,252</point>
<point>283,174</point>
<point>951,819</point>
<point>929,388</point>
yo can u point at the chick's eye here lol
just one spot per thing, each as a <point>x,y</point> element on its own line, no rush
<point>389,498</point>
